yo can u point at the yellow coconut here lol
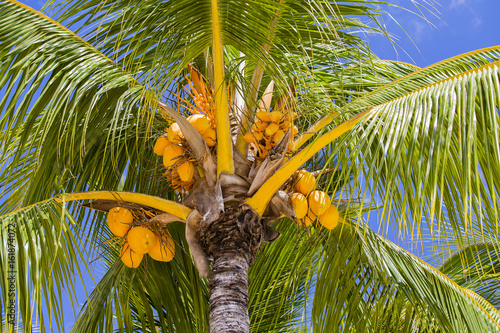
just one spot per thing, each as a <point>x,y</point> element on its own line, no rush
<point>306,182</point>
<point>210,137</point>
<point>260,126</point>
<point>309,218</point>
<point>141,239</point>
<point>295,131</point>
<point>171,155</point>
<point>276,116</point>
<point>271,129</point>
<point>330,218</point>
<point>174,134</point>
<point>119,221</point>
<point>278,136</point>
<point>249,137</point>
<point>319,202</point>
<point>160,145</point>
<point>163,250</point>
<point>186,171</point>
<point>300,206</point>
<point>200,122</point>
<point>130,258</point>
<point>263,116</point>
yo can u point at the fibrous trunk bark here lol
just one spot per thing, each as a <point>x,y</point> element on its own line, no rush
<point>231,243</point>
<point>229,295</point>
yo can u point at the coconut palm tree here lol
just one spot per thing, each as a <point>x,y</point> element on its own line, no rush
<point>84,118</point>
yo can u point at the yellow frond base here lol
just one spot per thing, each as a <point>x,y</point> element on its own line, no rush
<point>224,143</point>
<point>261,198</point>
<point>164,205</point>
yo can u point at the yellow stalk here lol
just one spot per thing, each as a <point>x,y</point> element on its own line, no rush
<point>261,198</point>
<point>164,205</point>
<point>297,143</point>
<point>224,143</point>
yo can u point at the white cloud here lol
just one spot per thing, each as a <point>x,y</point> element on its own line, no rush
<point>419,30</point>
<point>457,3</point>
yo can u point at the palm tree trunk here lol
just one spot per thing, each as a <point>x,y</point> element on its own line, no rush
<point>231,243</point>
<point>229,295</point>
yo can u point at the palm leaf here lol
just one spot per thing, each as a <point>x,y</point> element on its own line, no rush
<point>42,259</point>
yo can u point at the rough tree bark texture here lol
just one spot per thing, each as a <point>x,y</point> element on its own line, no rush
<point>232,243</point>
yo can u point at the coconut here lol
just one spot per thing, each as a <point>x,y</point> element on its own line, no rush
<point>330,218</point>
<point>130,258</point>
<point>186,171</point>
<point>260,126</point>
<point>278,136</point>
<point>141,239</point>
<point>309,218</point>
<point>171,155</point>
<point>276,116</point>
<point>249,137</point>
<point>300,206</point>
<point>119,221</point>
<point>174,134</point>
<point>200,122</point>
<point>163,250</point>
<point>263,116</point>
<point>210,137</point>
<point>160,145</point>
<point>271,129</point>
<point>306,182</point>
<point>319,202</point>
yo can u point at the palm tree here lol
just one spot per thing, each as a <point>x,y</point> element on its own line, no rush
<point>81,113</point>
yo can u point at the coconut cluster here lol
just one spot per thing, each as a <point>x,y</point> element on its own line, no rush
<point>139,239</point>
<point>173,147</point>
<point>268,130</point>
<point>310,204</point>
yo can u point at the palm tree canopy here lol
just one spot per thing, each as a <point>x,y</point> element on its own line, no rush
<point>79,111</point>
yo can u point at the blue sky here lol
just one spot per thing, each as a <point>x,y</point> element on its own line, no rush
<point>454,27</point>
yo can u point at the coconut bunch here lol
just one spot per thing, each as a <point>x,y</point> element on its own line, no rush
<point>139,239</point>
<point>267,131</point>
<point>173,147</point>
<point>310,204</point>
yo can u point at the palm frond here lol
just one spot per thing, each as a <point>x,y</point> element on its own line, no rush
<point>477,268</point>
<point>158,39</point>
<point>42,255</point>
<point>66,107</point>
<point>368,283</point>
<point>450,306</point>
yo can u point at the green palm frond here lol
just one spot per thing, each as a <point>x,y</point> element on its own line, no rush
<point>41,259</point>
<point>170,296</point>
<point>429,152</point>
<point>451,307</point>
<point>66,107</point>
<point>158,39</point>
<point>367,283</point>
<point>477,268</point>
